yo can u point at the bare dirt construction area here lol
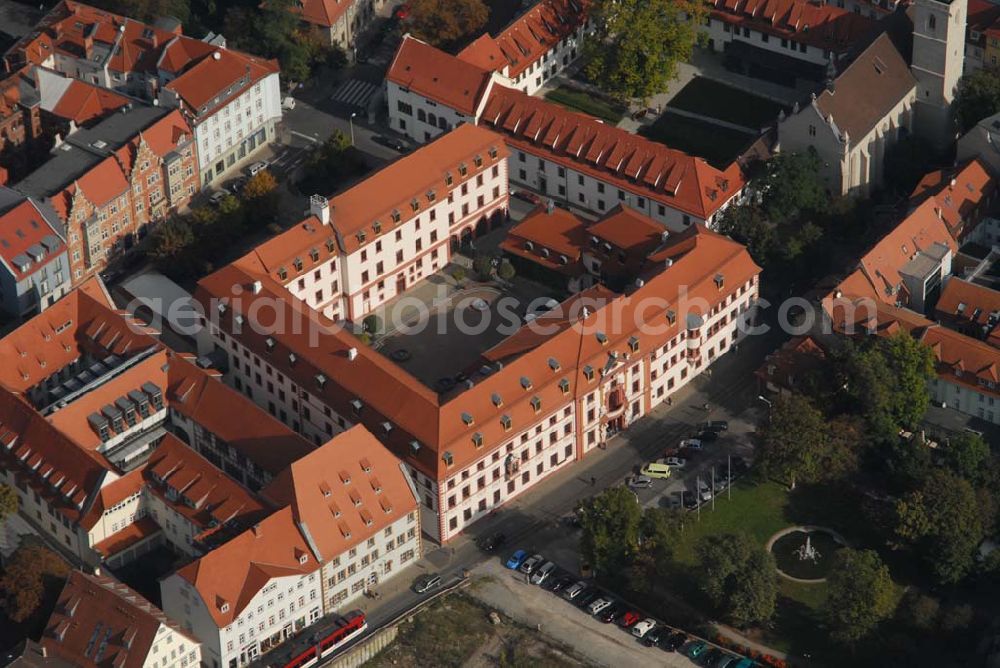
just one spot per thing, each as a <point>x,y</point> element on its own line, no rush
<point>456,631</point>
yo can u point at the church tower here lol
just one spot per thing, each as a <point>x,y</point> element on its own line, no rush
<point>938,53</point>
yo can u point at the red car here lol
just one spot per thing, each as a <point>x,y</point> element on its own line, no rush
<point>528,196</point>
<point>629,619</point>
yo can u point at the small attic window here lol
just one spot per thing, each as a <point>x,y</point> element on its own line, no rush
<point>462,169</point>
<point>377,227</point>
<point>282,273</point>
<point>361,236</point>
<point>525,382</point>
<point>314,255</point>
<point>297,263</point>
<point>602,338</point>
<point>329,245</point>
<point>448,179</point>
<point>447,458</point>
<point>292,358</point>
<point>493,152</point>
<point>467,419</point>
<point>222,308</point>
<point>588,372</point>
<point>224,608</point>
<point>395,215</point>
<point>387,427</point>
<point>671,317</point>
<point>505,422</point>
<point>414,447</point>
<point>477,440</point>
<point>303,558</point>
<point>414,205</point>
<point>529,245</point>
<point>633,344</point>
<point>496,399</point>
<point>478,161</point>
<point>564,386</point>
<point>720,281</point>
<point>536,404</point>
<point>269,343</point>
<point>320,380</point>
<point>356,406</point>
<point>431,196</point>
<point>553,364</point>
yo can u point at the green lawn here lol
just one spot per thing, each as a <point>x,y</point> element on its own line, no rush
<point>586,103</point>
<point>716,100</point>
<point>719,146</point>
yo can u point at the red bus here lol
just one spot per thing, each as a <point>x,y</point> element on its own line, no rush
<point>346,628</point>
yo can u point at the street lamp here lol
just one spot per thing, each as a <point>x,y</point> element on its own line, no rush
<point>351,120</point>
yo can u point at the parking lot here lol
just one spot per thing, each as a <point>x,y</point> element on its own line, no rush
<point>605,643</point>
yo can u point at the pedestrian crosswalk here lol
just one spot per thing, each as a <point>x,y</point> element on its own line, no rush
<point>355,92</point>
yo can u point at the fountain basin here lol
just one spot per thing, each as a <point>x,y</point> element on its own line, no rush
<point>789,550</point>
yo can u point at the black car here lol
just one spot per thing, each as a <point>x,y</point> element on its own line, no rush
<point>710,657</point>
<point>558,584</point>
<point>613,613</point>
<point>714,425</point>
<point>492,542</point>
<point>656,635</point>
<point>390,142</point>
<point>690,500</point>
<point>674,642</point>
<point>707,436</point>
<point>586,597</point>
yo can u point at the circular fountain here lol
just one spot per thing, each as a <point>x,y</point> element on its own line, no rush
<point>805,553</point>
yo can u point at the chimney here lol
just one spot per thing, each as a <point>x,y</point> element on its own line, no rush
<point>319,206</point>
<point>257,531</point>
<point>352,354</point>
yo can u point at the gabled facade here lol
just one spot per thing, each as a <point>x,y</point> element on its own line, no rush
<point>34,263</point>
<point>340,22</point>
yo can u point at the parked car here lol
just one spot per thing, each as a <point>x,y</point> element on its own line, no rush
<point>218,196</point>
<point>516,559</point>
<point>691,501</point>
<point>674,642</point>
<point>527,196</point>
<point>236,185</point>
<point>256,168</point>
<point>655,470</point>
<point>655,636</point>
<point>705,496</point>
<point>598,605</point>
<point>695,649</point>
<point>492,542</point>
<point>542,573</point>
<point>675,462</point>
<point>587,597</point>
<point>727,661</point>
<point>639,482</point>
<point>557,584</point>
<point>692,449</point>
<point>642,628</point>
<point>707,436</point>
<point>692,443</point>
<point>629,619</point>
<point>612,613</point>
<point>288,103</point>
<point>426,582</point>
<point>390,142</point>
<point>573,591</point>
<point>715,425</point>
<point>711,657</point>
<point>529,565</point>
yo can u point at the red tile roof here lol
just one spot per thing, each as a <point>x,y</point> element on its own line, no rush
<point>324,13</point>
<point>207,401</point>
<point>82,102</point>
<point>549,235</point>
<point>820,25</point>
<point>346,491</point>
<point>968,304</point>
<point>220,77</point>
<point>583,143</point>
<point>99,622</point>
<point>363,213</point>
<point>22,227</point>
<point>423,69</point>
<point>196,489</point>
<point>961,196</point>
<point>795,360</point>
<point>878,275</point>
<point>528,37</point>
<point>228,577</point>
<point>133,534</point>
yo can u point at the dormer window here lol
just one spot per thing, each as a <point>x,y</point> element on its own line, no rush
<point>314,255</point>
<point>505,422</point>
<point>536,404</point>
<point>447,458</point>
<point>360,236</point>
<point>462,169</point>
<point>329,245</point>
<point>671,317</point>
<point>478,161</point>
<point>377,227</point>
<point>356,406</point>
<point>564,386</point>
<point>529,245</point>
<point>292,358</point>
<point>553,364</point>
<point>633,344</point>
<point>414,447</point>
<point>269,344</point>
<point>525,382</point>
<point>386,427</point>
<point>282,273</point>
<point>493,153</point>
<point>303,558</point>
<point>297,263</point>
<point>414,205</point>
<point>496,399</point>
<point>720,281</point>
<point>448,180</point>
<point>588,372</point>
<point>477,440</point>
<point>320,380</point>
<point>602,338</point>
<point>467,419</point>
<point>395,215</point>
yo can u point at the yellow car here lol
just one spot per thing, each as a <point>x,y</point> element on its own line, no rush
<point>656,470</point>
